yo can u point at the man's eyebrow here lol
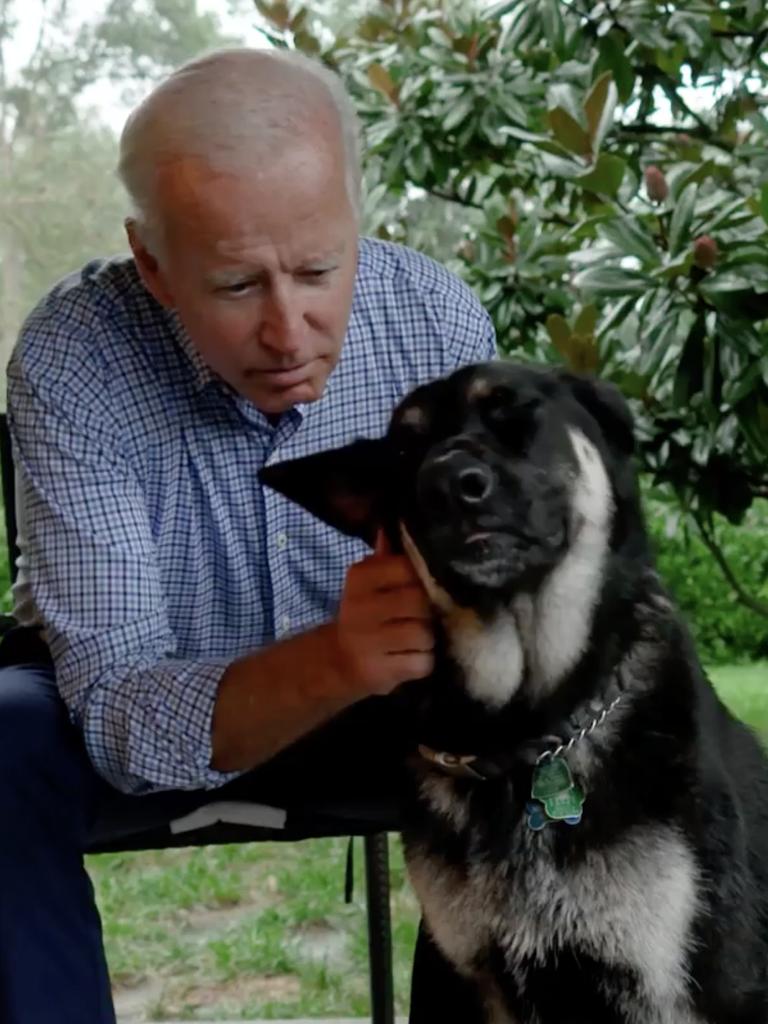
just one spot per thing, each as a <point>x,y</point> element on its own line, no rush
<point>233,275</point>
<point>251,271</point>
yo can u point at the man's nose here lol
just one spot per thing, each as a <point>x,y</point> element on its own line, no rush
<point>282,325</point>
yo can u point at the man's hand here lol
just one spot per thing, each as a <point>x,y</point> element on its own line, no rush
<point>383,632</point>
<point>381,637</point>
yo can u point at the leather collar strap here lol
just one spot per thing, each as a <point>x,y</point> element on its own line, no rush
<point>482,768</point>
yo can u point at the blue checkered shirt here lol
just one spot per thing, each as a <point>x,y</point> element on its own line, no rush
<point>150,553</point>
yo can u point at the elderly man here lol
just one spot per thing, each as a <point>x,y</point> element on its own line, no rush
<point>197,625</point>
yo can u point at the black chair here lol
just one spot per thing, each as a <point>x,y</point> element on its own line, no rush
<point>322,821</point>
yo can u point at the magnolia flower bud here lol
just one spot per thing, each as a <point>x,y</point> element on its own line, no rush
<point>705,252</point>
<point>656,184</point>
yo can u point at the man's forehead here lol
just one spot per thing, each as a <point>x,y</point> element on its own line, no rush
<point>182,178</point>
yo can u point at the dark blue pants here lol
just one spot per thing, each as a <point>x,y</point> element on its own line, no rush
<point>53,806</point>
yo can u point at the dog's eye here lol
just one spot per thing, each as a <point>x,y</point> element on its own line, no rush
<point>503,406</point>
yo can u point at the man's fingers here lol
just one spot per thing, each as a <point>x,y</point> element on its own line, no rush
<point>407,637</point>
<point>383,572</point>
<point>382,545</point>
<point>390,605</point>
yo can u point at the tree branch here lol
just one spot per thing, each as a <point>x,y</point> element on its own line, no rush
<point>646,129</point>
<point>453,197</point>
<point>754,604</point>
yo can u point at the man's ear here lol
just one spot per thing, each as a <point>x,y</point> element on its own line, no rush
<point>343,487</point>
<point>148,266</point>
<point>608,407</point>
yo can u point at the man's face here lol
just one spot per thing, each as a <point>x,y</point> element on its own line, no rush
<point>260,269</point>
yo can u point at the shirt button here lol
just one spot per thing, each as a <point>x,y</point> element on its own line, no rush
<point>285,623</point>
<point>282,540</point>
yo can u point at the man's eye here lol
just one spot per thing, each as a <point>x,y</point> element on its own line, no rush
<point>237,289</point>
<point>315,273</point>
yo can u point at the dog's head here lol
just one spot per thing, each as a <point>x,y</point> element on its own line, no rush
<point>488,472</point>
<point>500,480</point>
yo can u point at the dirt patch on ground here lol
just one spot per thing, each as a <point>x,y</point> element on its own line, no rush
<point>320,943</point>
<point>136,1004</point>
<point>262,988</point>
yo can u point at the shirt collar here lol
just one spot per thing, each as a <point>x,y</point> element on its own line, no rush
<point>202,374</point>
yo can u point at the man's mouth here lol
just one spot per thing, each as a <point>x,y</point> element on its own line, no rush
<point>283,377</point>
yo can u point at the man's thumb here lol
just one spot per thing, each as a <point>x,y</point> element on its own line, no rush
<point>382,545</point>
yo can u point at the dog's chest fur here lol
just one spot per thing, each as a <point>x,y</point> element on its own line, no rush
<point>629,906</point>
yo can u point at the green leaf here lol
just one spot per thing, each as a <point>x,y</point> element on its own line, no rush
<point>586,321</point>
<point>599,107</point>
<point>523,134</point>
<point>671,60</point>
<point>552,24</point>
<point>617,316</point>
<point>569,132</point>
<point>559,332</point>
<point>381,79</point>
<point>613,56</point>
<point>678,178</point>
<point>605,177</point>
<point>764,202</point>
<point>458,112</point>
<point>729,215</point>
<point>680,223</point>
<point>630,235</point>
<point>607,280</point>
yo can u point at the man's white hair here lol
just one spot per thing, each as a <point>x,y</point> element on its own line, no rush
<point>235,109</point>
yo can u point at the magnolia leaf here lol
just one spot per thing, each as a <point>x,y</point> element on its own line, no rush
<point>613,56</point>
<point>506,226</point>
<point>608,280</point>
<point>605,177</point>
<point>560,333</point>
<point>381,79</point>
<point>630,235</point>
<point>569,132</point>
<point>586,321</point>
<point>584,356</point>
<point>764,203</point>
<point>276,13</point>
<point>599,107</point>
<point>682,216</point>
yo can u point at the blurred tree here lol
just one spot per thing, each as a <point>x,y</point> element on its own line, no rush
<point>60,202</point>
<point>604,171</point>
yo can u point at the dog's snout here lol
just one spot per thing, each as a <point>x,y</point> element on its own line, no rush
<point>458,478</point>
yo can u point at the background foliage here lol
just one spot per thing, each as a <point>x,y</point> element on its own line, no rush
<point>604,173</point>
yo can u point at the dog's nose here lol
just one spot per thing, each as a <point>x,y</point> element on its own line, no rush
<point>457,478</point>
<point>473,484</point>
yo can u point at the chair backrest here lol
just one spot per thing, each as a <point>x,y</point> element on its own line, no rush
<point>7,474</point>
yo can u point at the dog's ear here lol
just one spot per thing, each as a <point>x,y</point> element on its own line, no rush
<point>343,486</point>
<point>608,407</point>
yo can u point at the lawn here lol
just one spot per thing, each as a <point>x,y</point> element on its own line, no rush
<point>238,932</point>
<point>744,688</point>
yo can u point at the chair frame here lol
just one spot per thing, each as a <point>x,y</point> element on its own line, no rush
<point>375,841</point>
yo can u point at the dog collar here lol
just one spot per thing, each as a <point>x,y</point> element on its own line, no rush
<point>555,796</point>
<point>533,752</point>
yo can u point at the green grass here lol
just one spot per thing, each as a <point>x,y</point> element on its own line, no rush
<point>744,688</point>
<point>237,932</point>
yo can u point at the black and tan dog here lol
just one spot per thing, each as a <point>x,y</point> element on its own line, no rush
<point>588,834</point>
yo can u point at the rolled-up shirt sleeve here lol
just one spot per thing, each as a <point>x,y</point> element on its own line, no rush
<point>93,571</point>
